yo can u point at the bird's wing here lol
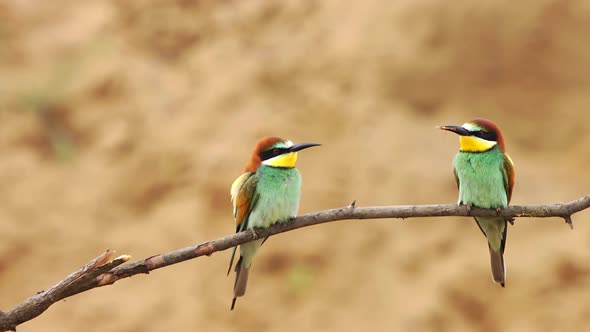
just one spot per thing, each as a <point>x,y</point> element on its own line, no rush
<point>243,197</point>
<point>456,177</point>
<point>508,174</point>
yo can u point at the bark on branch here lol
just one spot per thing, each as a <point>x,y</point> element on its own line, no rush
<point>103,271</point>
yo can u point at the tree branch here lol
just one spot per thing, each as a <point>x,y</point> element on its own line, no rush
<point>102,271</point>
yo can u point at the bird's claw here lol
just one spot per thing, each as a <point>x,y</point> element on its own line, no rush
<point>499,212</point>
<point>254,234</point>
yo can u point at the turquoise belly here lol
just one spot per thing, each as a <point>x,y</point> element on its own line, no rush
<point>481,181</point>
<point>278,192</point>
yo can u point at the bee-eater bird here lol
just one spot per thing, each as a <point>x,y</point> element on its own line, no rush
<point>485,176</point>
<point>267,192</point>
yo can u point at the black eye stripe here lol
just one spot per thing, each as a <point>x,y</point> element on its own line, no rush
<point>487,135</point>
<point>270,153</point>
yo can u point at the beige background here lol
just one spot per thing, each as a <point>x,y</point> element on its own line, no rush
<point>123,124</point>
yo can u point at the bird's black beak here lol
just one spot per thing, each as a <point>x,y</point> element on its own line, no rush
<point>301,146</point>
<point>456,129</point>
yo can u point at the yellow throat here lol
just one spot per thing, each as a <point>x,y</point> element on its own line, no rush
<point>287,160</point>
<point>474,144</point>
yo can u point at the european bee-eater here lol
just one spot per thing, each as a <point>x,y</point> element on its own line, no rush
<point>485,176</point>
<point>267,192</point>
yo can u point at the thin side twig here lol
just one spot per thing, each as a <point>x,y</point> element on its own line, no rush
<point>70,285</point>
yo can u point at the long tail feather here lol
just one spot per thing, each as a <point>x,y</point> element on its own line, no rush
<point>495,230</point>
<point>242,273</point>
<point>498,267</point>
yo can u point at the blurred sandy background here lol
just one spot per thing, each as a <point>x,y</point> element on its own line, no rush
<point>123,124</point>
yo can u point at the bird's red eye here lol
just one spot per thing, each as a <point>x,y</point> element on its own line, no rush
<point>276,151</point>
